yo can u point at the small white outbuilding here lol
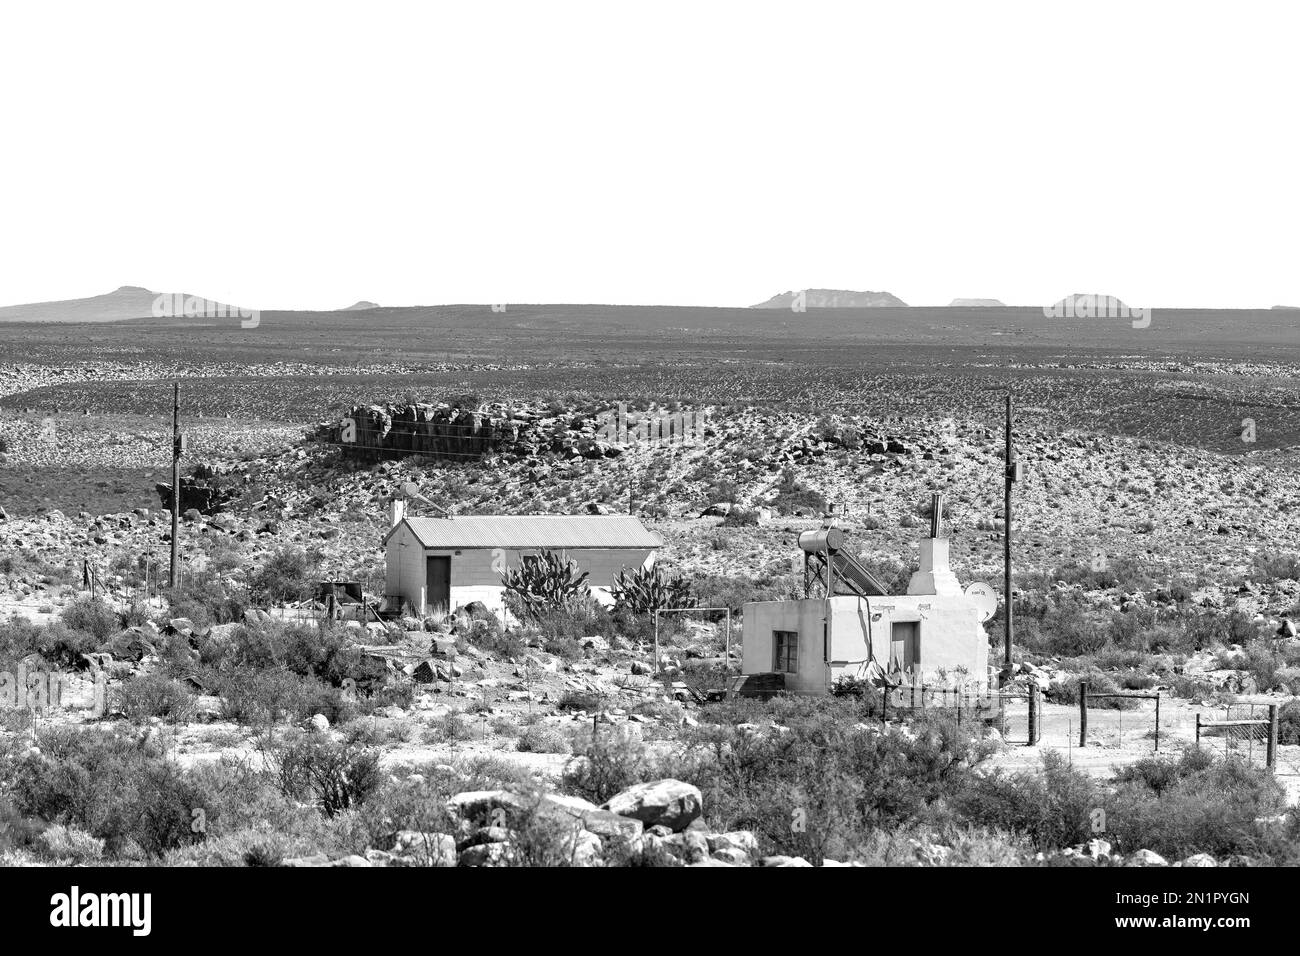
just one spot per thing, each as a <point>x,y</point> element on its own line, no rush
<point>445,563</point>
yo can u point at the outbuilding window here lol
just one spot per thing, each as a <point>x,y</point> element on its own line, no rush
<point>786,645</point>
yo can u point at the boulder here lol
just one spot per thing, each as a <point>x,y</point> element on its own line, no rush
<point>670,803</point>
<point>485,854</point>
<point>1147,858</point>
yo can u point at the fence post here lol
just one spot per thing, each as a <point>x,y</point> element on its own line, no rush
<point>1198,729</point>
<point>1083,713</point>
<point>1157,721</point>
<point>1271,755</point>
<point>1033,714</point>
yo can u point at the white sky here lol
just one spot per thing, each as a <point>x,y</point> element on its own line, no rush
<point>306,155</point>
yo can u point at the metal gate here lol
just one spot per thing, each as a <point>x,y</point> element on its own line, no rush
<point>1248,731</point>
<point>1125,719</point>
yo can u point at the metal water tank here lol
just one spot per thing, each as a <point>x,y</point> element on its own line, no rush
<point>827,539</point>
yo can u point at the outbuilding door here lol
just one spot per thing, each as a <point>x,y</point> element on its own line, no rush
<point>905,646</point>
<point>438,583</point>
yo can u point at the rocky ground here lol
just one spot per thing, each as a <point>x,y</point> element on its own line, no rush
<point>1085,499</point>
<point>1186,514</point>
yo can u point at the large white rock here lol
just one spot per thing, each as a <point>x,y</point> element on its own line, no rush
<point>670,803</point>
<point>1147,858</point>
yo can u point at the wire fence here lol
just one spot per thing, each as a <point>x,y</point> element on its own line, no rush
<point>1247,730</point>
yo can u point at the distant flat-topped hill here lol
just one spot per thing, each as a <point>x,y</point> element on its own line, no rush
<point>122,304</point>
<point>833,299</point>
<point>361,306</point>
<point>976,304</point>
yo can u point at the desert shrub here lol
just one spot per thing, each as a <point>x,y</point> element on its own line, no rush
<point>253,695</point>
<point>542,740</point>
<point>1136,681</point>
<point>289,574</point>
<point>18,638</point>
<point>153,695</point>
<point>136,615</point>
<point>1069,630</point>
<point>92,616</point>
<point>71,843</point>
<point>793,496</point>
<point>564,647</point>
<point>243,795</point>
<point>947,845</point>
<point>861,690</point>
<point>336,775</point>
<point>740,518</point>
<point>417,803</point>
<point>1159,774</point>
<point>1263,663</point>
<point>722,491</point>
<point>1194,806</point>
<point>733,591</point>
<point>61,646</point>
<point>1123,572</point>
<point>842,779</point>
<point>701,677</point>
<point>579,700</point>
<point>325,653</point>
<point>1052,807</point>
<point>454,725</point>
<point>1127,629</point>
<point>115,786</point>
<point>581,619</point>
<point>207,598</point>
<point>1276,567</point>
<point>606,763</point>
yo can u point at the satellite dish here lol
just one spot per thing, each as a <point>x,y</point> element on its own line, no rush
<point>984,598</point>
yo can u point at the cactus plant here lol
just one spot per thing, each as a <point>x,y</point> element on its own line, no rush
<point>546,582</point>
<point>647,590</point>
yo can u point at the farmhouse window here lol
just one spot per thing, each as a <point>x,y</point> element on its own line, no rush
<point>786,644</point>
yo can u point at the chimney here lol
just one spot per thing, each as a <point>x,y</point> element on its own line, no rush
<point>934,576</point>
<point>396,511</point>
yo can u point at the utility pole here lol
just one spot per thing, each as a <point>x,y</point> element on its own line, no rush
<point>1012,473</point>
<point>177,443</point>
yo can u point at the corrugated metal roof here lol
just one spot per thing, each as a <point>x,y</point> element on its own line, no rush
<point>533,531</point>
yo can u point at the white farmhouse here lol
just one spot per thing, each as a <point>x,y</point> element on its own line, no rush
<point>932,634</point>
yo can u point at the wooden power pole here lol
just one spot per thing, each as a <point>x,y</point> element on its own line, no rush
<point>1012,473</point>
<point>174,578</point>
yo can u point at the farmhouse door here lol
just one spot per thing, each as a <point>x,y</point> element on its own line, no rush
<point>904,645</point>
<point>438,583</point>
